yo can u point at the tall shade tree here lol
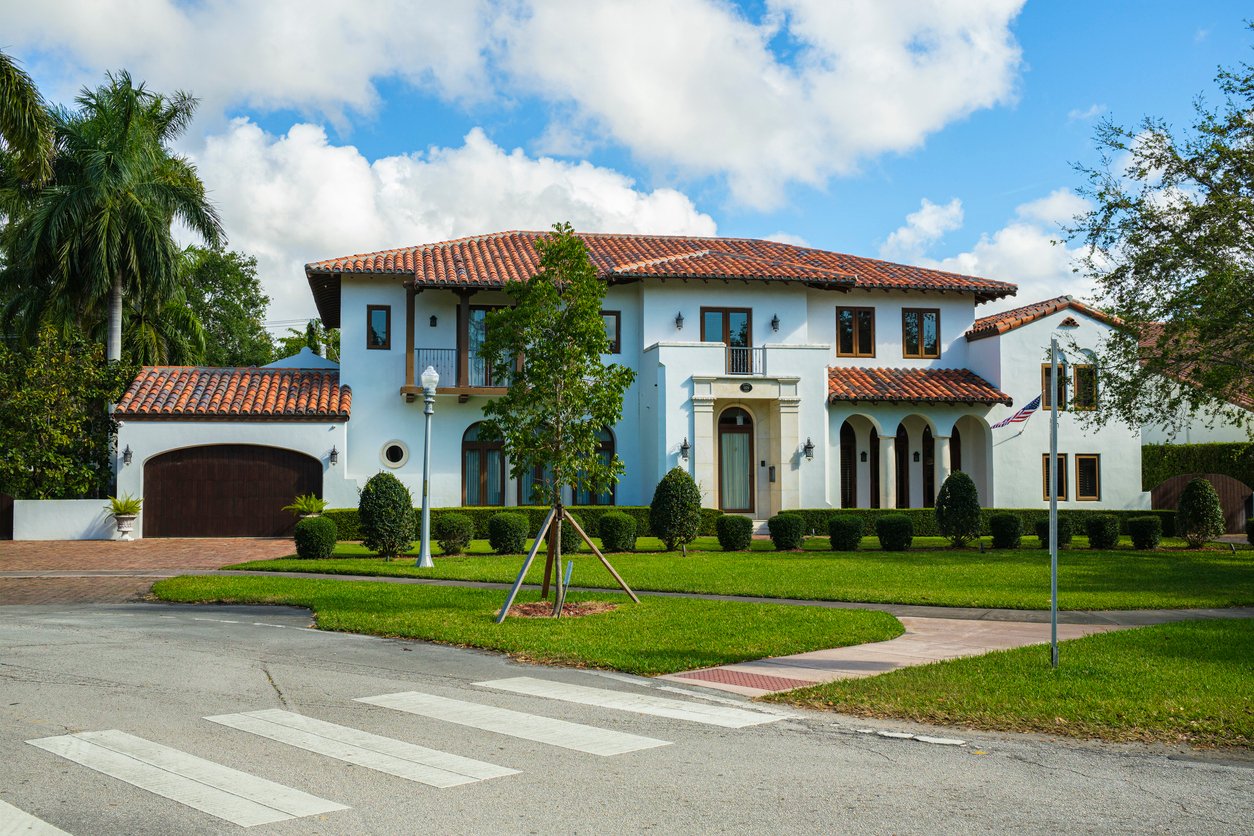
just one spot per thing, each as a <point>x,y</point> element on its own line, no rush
<point>224,292</point>
<point>100,231</point>
<point>25,126</point>
<point>1170,247</point>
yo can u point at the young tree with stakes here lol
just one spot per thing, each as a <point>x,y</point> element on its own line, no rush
<point>549,345</point>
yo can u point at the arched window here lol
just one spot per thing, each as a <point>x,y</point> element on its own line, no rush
<point>848,466</point>
<point>605,452</point>
<point>903,467</point>
<point>1084,390</point>
<point>483,470</point>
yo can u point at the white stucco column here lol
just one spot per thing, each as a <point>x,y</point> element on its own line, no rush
<point>862,437</point>
<point>941,461</point>
<point>916,468</point>
<point>703,450</point>
<point>789,476</point>
<point>888,471</point>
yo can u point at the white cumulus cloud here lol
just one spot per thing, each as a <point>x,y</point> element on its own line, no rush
<point>922,229</point>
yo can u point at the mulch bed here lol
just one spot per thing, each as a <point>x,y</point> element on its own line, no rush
<point>571,609</point>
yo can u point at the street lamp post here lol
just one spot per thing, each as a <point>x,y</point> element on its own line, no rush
<point>430,379</point>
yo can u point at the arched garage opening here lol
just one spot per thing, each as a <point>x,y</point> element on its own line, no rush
<point>226,490</point>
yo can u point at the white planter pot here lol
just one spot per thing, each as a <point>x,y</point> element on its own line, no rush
<point>126,524</point>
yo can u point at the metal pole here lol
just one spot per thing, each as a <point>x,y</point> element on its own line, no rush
<point>424,550</point>
<point>522,573</point>
<point>1053,502</point>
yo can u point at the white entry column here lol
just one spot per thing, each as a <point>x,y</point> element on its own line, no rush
<point>888,471</point>
<point>941,463</point>
<point>704,450</point>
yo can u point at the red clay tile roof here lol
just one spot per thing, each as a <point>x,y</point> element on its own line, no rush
<point>1000,323</point>
<point>489,261</point>
<point>1152,332</point>
<point>845,383</point>
<point>189,393</point>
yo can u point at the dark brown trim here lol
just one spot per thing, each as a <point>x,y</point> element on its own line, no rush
<point>1062,495</point>
<point>725,337</point>
<point>855,311</point>
<point>463,338</point>
<point>921,355</point>
<point>410,297</point>
<point>747,430</point>
<point>1097,476</point>
<point>482,447</point>
<point>387,341</point>
<point>616,344</point>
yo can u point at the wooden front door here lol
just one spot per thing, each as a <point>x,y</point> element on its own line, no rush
<point>735,461</point>
<point>226,490</point>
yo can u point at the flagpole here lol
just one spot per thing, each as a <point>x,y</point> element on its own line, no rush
<point>1053,502</point>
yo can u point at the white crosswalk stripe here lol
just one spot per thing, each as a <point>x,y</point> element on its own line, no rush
<point>395,757</point>
<point>218,790</point>
<point>548,730</point>
<point>714,715</point>
<point>15,822</point>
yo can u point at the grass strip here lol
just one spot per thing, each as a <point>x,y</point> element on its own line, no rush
<point>658,635</point>
<point>1187,682</point>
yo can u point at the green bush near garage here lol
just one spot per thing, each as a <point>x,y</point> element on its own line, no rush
<point>315,538</point>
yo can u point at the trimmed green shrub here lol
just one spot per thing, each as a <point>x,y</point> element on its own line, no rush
<point>1064,532</point>
<point>844,532</point>
<point>1146,532</point>
<point>924,519</point>
<point>618,532</point>
<point>453,532</point>
<point>1159,462</point>
<point>571,541</point>
<point>1007,530</point>
<point>958,509</point>
<point>896,532</point>
<point>787,531</point>
<point>1199,517</point>
<point>675,513</point>
<point>507,532</point>
<point>1103,531</point>
<point>735,533</point>
<point>315,538</point>
<point>387,516</point>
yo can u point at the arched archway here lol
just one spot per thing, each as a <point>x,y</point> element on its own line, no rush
<point>483,469</point>
<point>735,461</point>
<point>848,466</point>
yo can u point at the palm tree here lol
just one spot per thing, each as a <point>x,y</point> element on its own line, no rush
<point>24,123</point>
<point>100,231</point>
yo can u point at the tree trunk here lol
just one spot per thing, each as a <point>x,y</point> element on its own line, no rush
<point>113,350</point>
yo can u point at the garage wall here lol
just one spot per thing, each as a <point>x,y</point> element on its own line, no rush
<point>64,519</point>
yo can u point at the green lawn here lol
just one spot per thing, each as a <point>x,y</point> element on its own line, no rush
<point>658,635</point>
<point>1018,579</point>
<point>1186,682</point>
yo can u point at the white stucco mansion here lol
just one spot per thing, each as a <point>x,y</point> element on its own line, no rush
<point>779,376</point>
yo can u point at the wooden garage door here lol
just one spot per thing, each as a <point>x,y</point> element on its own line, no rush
<point>226,490</point>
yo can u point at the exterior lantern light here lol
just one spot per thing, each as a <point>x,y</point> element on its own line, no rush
<point>679,321</point>
<point>430,380</point>
<point>434,320</point>
<point>685,449</point>
<point>916,455</point>
<point>775,322</point>
<point>864,455</point>
<point>335,455</point>
<point>808,450</point>
<point>127,455</point>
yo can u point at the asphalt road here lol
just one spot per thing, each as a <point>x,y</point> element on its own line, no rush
<point>156,671</point>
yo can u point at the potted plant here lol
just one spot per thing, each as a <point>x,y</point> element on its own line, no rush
<point>307,505</point>
<point>124,509</point>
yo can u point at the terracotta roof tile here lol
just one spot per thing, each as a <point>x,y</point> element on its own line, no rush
<point>1185,372</point>
<point>187,393</point>
<point>1000,323</point>
<point>846,383</point>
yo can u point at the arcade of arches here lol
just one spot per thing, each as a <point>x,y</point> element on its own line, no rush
<point>907,468</point>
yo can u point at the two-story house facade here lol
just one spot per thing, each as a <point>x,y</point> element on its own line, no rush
<point>779,376</point>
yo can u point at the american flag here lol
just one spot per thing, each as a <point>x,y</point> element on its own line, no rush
<point>1022,415</point>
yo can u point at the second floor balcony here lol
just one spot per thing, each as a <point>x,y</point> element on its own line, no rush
<point>460,373</point>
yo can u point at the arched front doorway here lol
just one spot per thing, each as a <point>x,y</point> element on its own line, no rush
<point>483,469</point>
<point>848,466</point>
<point>735,461</point>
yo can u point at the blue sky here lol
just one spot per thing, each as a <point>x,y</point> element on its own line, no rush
<point>937,133</point>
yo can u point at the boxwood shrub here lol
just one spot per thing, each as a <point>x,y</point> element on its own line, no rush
<point>735,533</point>
<point>387,517</point>
<point>453,532</point>
<point>896,532</point>
<point>618,532</point>
<point>507,532</point>
<point>924,519</point>
<point>1103,531</point>
<point>1064,532</point>
<point>787,531</point>
<point>315,538</point>
<point>571,541</point>
<point>1146,532</point>
<point>675,512</point>
<point>1007,530</point>
<point>844,532</point>
<point>1200,516</point>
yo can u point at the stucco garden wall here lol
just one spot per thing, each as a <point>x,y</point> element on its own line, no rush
<point>63,519</point>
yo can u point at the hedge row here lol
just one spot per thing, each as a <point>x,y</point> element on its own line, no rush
<point>924,519</point>
<point>589,517</point>
<point>1159,462</point>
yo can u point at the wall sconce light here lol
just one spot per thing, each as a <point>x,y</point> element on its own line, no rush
<point>127,455</point>
<point>679,321</point>
<point>775,322</point>
<point>434,320</point>
<point>335,455</point>
<point>808,450</point>
<point>685,449</point>
<point>864,455</point>
<point>916,455</point>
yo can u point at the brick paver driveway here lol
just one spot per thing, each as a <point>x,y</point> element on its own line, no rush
<point>82,571</point>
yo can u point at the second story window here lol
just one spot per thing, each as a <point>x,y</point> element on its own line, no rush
<point>730,326</point>
<point>1047,401</point>
<point>920,333</point>
<point>1084,393</point>
<point>613,331</point>
<point>379,326</point>
<point>855,332</point>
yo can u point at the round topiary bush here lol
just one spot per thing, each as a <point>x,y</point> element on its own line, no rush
<point>1007,530</point>
<point>735,533</point>
<point>618,532</point>
<point>1103,531</point>
<point>507,532</point>
<point>453,532</point>
<point>1146,532</point>
<point>675,512</point>
<point>315,538</point>
<point>787,531</point>
<point>896,532</point>
<point>386,514</point>
<point>1199,516</point>
<point>958,509</point>
<point>844,532</point>
<point>1064,532</point>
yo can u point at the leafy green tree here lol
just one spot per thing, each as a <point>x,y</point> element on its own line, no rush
<point>1170,248</point>
<point>1199,516</point>
<point>225,294</point>
<point>25,128</point>
<point>958,509</point>
<point>322,341</point>
<point>160,332</point>
<point>57,431</point>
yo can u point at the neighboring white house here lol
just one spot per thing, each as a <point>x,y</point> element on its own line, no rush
<point>779,376</point>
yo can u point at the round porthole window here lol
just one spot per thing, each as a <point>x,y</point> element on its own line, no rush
<point>394,454</point>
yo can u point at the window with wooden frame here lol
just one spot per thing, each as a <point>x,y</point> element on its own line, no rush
<point>379,327</point>
<point>613,331</point>
<point>1088,477</point>
<point>920,333</point>
<point>855,332</point>
<point>1047,401</point>
<point>1084,393</point>
<point>730,326</point>
<point>483,469</point>
<point>1062,476</point>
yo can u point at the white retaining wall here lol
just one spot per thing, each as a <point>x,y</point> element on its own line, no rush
<point>63,519</point>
